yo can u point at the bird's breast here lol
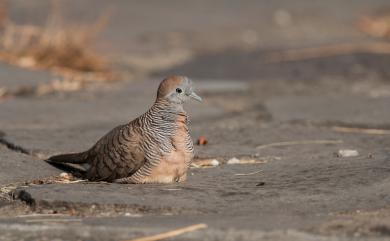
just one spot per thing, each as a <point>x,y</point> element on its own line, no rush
<point>174,164</point>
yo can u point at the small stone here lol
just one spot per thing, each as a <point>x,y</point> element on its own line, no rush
<point>260,184</point>
<point>201,141</point>
<point>347,153</point>
<point>65,175</point>
<point>214,162</point>
<point>233,160</point>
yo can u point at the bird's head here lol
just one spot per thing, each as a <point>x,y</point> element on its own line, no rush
<point>176,89</point>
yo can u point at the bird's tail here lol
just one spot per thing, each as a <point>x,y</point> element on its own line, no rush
<point>75,158</point>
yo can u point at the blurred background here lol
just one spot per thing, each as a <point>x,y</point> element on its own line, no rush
<point>278,46</point>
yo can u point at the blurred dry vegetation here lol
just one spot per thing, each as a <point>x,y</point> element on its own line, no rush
<point>64,49</point>
<point>376,24</point>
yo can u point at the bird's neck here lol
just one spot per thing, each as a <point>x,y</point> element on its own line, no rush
<point>164,113</point>
<point>165,107</point>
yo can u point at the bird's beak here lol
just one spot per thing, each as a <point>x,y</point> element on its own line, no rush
<point>195,96</point>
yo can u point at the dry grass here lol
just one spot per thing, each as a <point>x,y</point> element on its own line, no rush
<point>376,24</point>
<point>61,48</point>
<point>304,142</point>
<point>172,234</point>
<point>64,178</point>
<point>356,130</point>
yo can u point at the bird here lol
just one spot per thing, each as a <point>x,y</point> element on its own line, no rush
<point>156,147</point>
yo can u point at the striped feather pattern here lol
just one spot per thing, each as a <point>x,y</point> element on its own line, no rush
<point>130,152</point>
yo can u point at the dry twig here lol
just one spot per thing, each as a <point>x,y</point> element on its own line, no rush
<point>48,220</point>
<point>360,130</point>
<point>200,163</point>
<point>304,142</point>
<point>172,233</point>
<point>42,215</point>
<point>248,174</point>
<point>67,178</point>
<point>234,160</point>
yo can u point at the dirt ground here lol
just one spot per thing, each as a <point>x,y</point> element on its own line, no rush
<point>289,118</point>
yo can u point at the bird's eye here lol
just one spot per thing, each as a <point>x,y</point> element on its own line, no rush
<point>178,90</point>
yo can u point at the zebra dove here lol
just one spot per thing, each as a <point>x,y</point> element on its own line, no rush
<point>156,147</point>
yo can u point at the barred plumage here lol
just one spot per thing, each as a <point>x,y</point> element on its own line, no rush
<point>154,148</point>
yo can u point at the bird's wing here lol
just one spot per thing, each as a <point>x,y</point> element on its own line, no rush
<point>116,155</point>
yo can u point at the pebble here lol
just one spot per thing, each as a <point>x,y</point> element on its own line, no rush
<point>347,153</point>
<point>233,160</point>
<point>214,162</point>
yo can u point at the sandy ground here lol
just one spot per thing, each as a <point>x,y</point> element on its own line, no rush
<point>290,117</point>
